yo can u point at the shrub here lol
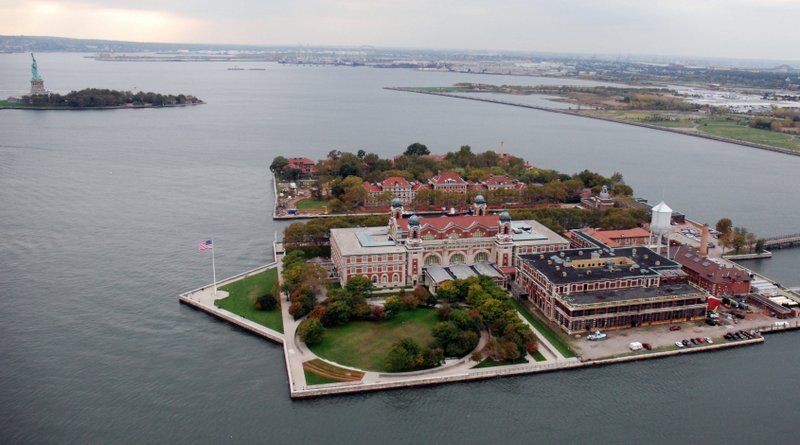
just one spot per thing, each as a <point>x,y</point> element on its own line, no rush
<point>393,306</point>
<point>311,331</point>
<point>409,302</point>
<point>477,356</point>
<point>362,311</point>
<point>266,302</point>
<point>296,309</point>
<point>378,312</point>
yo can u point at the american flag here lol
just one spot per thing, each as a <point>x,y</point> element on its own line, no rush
<point>206,245</point>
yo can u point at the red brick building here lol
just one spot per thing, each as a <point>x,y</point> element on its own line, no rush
<point>620,238</point>
<point>449,182</point>
<point>305,165</point>
<point>716,279</point>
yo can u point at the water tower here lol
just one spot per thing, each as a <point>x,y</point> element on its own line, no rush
<point>659,226</point>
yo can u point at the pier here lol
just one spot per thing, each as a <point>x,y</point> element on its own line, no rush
<point>782,242</point>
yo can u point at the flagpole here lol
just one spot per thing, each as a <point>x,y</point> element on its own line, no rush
<point>213,268</point>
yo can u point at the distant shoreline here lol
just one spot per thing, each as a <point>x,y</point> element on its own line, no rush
<point>113,107</point>
<point>575,113</point>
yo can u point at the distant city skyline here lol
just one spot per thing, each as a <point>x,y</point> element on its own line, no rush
<point>736,29</point>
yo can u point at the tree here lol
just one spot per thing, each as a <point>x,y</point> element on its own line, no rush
<point>338,312</point>
<point>724,225</point>
<point>361,154</point>
<point>403,355</point>
<point>278,164</point>
<point>359,285</point>
<point>760,245</point>
<point>311,331</point>
<point>417,149</point>
<point>622,190</point>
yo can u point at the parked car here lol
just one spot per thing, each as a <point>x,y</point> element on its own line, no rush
<point>678,344</point>
<point>694,341</point>
<point>647,346</point>
<point>708,340</point>
<point>685,342</point>
<point>674,328</point>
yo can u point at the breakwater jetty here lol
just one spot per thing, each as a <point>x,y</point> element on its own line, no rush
<point>618,121</point>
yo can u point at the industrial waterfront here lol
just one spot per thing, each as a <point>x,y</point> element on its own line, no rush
<point>101,236</point>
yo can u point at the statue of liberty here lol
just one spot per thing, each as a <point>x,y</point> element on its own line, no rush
<point>37,84</point>
<point>34,69</point>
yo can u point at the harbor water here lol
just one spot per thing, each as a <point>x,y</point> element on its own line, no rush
<point>101,213</point>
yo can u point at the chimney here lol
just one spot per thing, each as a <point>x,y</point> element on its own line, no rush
<point>704,241</point>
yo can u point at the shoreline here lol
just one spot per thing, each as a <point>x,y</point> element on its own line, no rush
<point>114,107</point>
<point>198,299</point>
<point>607,119</point>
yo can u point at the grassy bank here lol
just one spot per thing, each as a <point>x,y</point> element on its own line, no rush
<point>365,344</point>
<point>311,204</point>
<point>488,362</point>
<point>242,295</point>
<point>556,339</point>
<point>733,130</point>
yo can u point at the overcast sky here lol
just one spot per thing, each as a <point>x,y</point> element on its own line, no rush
<point>761,29</point>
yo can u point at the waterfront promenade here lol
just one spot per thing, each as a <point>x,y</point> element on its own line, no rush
<point>295,352</point>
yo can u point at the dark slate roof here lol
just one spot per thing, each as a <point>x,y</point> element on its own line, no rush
<point>648,261</point>
<point>606,296</point>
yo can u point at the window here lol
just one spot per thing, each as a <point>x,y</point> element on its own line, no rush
<point>481,257</point>
<point>432,259</point>
<point>457,259</point>
<point>374,278</point>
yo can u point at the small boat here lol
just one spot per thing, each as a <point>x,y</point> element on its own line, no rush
<point>596,336</point>
<point>236,68</point>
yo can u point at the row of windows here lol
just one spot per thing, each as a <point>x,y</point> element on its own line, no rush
<point>375,258</point>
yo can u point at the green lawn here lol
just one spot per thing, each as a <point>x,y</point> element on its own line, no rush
<point>488,362</point>
<point>733,130</point>
<point>313,379</point>
<point>311,204</point>
<point>364,344</point>
<point>554,338</point>
<point>671,124</point>
<point>538,356</point>
<point>243,294</point>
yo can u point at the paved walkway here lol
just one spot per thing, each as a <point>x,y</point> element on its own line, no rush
<point>204,299</point>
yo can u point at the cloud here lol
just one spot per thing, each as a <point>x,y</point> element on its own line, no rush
<point>87,20</point>
<point>724,28</point>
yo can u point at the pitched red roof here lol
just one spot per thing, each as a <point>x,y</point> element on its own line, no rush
<point>691,259</point>
<point>301,161</point>
<point>610,237</point>
<point>465,221</point>
<point>372,187</point>
<point>419,186</point>
<point>498,180</point>
<point>448,178</point>
<point>394,181</point>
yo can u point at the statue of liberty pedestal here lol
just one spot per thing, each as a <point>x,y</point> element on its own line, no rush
<point>37,84</point>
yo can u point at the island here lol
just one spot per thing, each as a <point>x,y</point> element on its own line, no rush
<point>408,294</point>
<point>90,98</point>
<point>99,99</point>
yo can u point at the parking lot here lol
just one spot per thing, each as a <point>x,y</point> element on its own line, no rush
<point>660,337</point>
